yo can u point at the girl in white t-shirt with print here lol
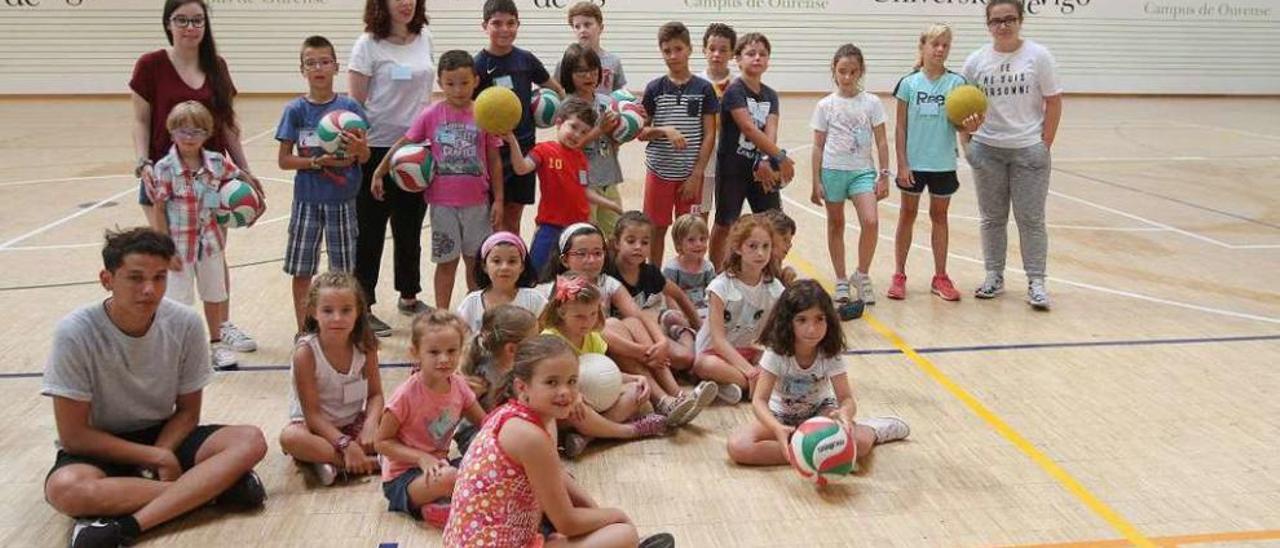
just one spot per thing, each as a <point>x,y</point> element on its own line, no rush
<point>504,275</point>
<point>844,125</point>
<point>737,302</point>
<point>803,376</point>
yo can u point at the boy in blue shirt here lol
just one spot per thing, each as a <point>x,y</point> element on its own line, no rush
<point>501,63</point>
<point>325,187</point>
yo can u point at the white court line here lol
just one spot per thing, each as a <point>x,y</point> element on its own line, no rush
<point>1098,288</point>
<point>63,180</point>
<point>96,205</point>
<point>1231,130</point>
<point>950,215</point>
<point>1161,225</point>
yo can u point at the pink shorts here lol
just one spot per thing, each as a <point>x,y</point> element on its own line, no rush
<point>662,200</point>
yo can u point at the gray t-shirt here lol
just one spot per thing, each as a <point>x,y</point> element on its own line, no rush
<point>132,383</point>
<point>603,168</point>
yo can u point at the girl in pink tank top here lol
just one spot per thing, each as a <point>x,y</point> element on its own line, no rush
<point>511,474</point>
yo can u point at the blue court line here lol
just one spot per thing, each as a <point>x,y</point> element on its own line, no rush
<point>870,352</point>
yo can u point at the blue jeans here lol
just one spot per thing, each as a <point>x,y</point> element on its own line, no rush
<point>546,243</point>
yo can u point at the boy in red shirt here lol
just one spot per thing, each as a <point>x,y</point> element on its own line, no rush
<point>562,178</point>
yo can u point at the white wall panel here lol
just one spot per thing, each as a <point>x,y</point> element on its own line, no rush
<point>1102,46</point>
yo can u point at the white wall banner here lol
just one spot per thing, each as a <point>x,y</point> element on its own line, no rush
<point>1102,46</point>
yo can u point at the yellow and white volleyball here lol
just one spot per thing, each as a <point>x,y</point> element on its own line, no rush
<point>497,110</point>
<point>965,101</point>
<point>599,381</point>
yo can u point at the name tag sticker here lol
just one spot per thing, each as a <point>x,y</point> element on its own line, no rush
<point>401,72</point>
<point>504,81</point>
<point>928,109</point>
<point>307,138</point>
<point>355,391</point>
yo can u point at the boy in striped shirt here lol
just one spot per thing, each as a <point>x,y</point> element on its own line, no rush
<point>680,134</point>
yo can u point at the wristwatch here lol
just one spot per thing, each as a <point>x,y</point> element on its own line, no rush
<point>776,161</point>
<point>142,162</point>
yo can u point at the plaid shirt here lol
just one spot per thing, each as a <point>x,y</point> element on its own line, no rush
<point>190,200</point>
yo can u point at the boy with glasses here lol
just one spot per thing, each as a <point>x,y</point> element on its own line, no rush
<point>326,184</point>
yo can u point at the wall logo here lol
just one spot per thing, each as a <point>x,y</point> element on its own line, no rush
<point>1034,7</point>
<point>562,4</point>
<point>36,3</point>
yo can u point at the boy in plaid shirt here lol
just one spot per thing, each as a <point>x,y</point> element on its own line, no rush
<point>325,185</point>
<point>186,193</point>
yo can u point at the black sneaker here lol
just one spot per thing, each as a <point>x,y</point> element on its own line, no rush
<point>658,540</point>
<point>247,492</point>
<point>379,327</point>
<point>98,533</point>
<point>412,308</point>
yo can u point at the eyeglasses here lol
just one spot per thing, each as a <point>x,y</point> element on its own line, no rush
<point>190,133</point>
<point>1003,21</point>
<point>583,71</point>
<point>185,22</point>
<point>313,64</point>
<point>580,254</point>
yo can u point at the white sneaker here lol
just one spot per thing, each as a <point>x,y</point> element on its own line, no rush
<point>866,293</point>
<point>236,339</point>
<point>729,393</point>
<point>705,393</point>
<point>221,357</point>
<point>1037,295</point>
<point>888,428</point>
<point>842,291</point>
<point>991,286</point>
<point>325,472</point>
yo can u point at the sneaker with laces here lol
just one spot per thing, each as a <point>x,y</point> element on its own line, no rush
<point>729,393</point>
<point>247,492</point>
<point>897,287</point>
<point>98,533</point>
<point>649,425</point>
<point>991,286</point>
<point>379,327</point>
<point>1037,295</point>
<point>326,473</point>
<point>942,287</point>
<point>677,410</point>
<point>888,428</point>
<point>412,307</point>
<point>658,540</point>
<point>705,393</point>
<point>842,291</point>
<point>236,339</point>
<point>222,357</point>
<point>866,293</point>
<point>436,513</point>
<point>573,444</point>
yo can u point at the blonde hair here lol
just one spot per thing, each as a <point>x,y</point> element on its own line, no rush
<point>437,319</point>
<point>935,31</point>
<point>189,114</point>
<point>502,325</point>
<point>570,287</point>
<point>741,230</point>
<point>687,225</point>
<point>362,336</point>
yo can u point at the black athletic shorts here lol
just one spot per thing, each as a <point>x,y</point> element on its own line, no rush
<point>186,451</point>
<point>940,183</point>
<point>736,183</point>
<point>520,189</point>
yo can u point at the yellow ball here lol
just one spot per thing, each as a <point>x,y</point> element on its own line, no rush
<point>498,110</point>
<point>965,101</point>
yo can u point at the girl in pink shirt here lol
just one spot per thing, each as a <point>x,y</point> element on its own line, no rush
<point>420,419</point>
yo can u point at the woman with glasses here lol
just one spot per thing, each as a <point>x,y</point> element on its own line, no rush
<point>190,69</point>
<point>1009,152</point>
<point>391,73</point>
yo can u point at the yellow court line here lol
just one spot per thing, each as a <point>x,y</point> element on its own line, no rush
<point>1113,518</point>
<point>1169,541</point>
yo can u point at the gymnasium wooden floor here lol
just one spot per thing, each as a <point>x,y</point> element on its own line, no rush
<point>1142,409</point>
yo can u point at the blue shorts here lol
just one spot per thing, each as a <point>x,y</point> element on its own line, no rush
<point>308,223</point>
<point>397,491</point>
<point>545,246</point>
<point>839,185</point>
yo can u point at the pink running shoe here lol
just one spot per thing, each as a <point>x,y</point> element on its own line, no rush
<point>436,513</point>
<point>942,287</point>
<point>650,425</point>
<point>898,287</point>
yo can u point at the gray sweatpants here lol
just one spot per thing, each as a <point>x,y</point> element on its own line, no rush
<point>1017,176</point>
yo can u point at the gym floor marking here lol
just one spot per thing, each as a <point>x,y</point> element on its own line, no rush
<point>1170,541</point>
<point>1101,509</point>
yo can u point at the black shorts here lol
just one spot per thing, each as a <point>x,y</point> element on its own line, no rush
<point>735,183</point>
<point>186,451</point>
<point>940,183</point>
<point>519,189</point>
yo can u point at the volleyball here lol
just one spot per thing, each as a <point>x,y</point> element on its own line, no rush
<point>331,126</point>
<point>965,101</point>
<point>629,125</point>
<point>599,381</point>
<point>628,106</point>
<point>238,204</point>
<point>821,450</point>
<point>497,110</point>
<point>544,106</point>
<point>623,95</point>
<point>413,168</point>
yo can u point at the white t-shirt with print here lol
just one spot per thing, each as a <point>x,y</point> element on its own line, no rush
<point>472,308</point>
<point>400,83</point>
<point>849,123</point>
<point>1016,84</point>
<point>799,392</point>
<point>745,308</point>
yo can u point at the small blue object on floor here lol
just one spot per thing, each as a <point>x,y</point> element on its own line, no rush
<point>388,545</point>
<point>850,310</point>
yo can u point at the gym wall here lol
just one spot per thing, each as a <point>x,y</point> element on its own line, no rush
<point>1102,46</point>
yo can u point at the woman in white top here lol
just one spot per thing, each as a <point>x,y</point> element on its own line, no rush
<point>391,74</point>
<point>1009,153</point>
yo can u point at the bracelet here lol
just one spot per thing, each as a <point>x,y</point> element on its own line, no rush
<point>142,163</point>
<point>343,442</point>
